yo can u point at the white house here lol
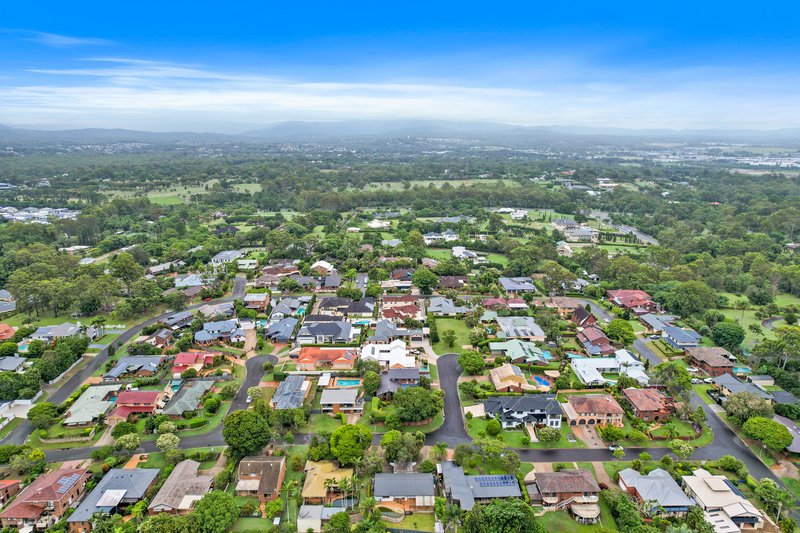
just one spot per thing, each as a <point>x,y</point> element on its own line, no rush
<point>392,355</point>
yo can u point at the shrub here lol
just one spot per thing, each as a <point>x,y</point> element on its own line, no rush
<point>197,423</point>
<point>493,427</point>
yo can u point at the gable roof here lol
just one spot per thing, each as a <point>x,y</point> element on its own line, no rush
<point>182,488</point>
<point>290,393</point>
<point>403,485</point>
<point>734,385</point>
<point>523,404</point>
<point>713,356</point>
<point>119,484</point>
<point>595,403</point>
<point>645,399</point>
<point>264,467</point>
<point>134,364</point>
<point>657,486</point>
<point>187,398</point>
<point>91,404</point>
<point>566,481</point>
<point>48,487</point>
<point>519,326</point>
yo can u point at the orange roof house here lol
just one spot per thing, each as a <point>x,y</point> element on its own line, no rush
<point>197,360</point>
<point>135,402</point>
<point>314,357</point>
<point>6,332</point>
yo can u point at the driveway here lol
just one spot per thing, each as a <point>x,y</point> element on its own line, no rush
<point>770,322</point>
<point>645,351</point>
<point>452,431</point>
<point>597,310</point>
<point>21,432</point>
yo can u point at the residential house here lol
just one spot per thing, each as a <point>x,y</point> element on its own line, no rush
<point>132,402</point>
<point>727,384</point>
<point>8,489</point>
<point>636,301</point>
<point>134,367</point>
<point>183,281</point>
<point>50,334</point>
<point>217,311</point>
<point>316,358</point>
<point>563,304</point>
<point>453,282</point>
<point>562,224</point>
<point>179,320</point>
<point>289,306</point>
<point>257,300</point>
<point>520,352</point>
<point>316,487</point>
<point>161,338</point>
<point>590,370</point>
<point>398,300</point>
<point>182,489</point>
<point>508,378</point>
<point>221,330</point>
<point>391,355</point>
<point>401,274</point>
<point>680,338</point>
<point>399,313</point>
<point>564,249</point>
<point>725,507</point>
<point>593,409</point>
<point>657,491</point>
<point>761,380</point>
<point>391,243</point>
<point>397,378</point>
<point>460,252</point>
<point>261,476</point>
<point>650,405</point>
<point>582,234</point>
<point>311,517</point>
<point>246,264</point>
<point>282,330</point>
<point>325,333</point>
<point>196,360</point>
<point>291,393</point>
<point>517,285</point>
<point>433,237</point>
<point>226,256</point>
<point>161,268</point>
<point>341,401</point>
<point>95,402</point>
<point>323,268</point>
<point>714,361</point>
<point>188,398</point>
<point>386,331</point>
<point>520,327</point>
<point>583,318</point>
<point>6,332</point>
<point>405,491</point>
<point>119,489</point>
<point>13,363</point>
<point>594,341</point>
<point>441,306</point>
<point>573,490</point>
<point>466,491</point>
<point>536,409</point>
<point>656,323</point>
<point>512,304</point>
<point>45,500</point>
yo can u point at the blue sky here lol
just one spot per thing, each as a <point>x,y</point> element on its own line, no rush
<point>230,67</point>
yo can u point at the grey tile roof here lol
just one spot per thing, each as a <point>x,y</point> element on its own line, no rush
<point>519,326</point>
<point>519,284</point>
<point>466,489</point>
<point>283,329</point>
<point>657,486</point>
<point>134,364</point>
<point>404,485</point>
<point>734,385</point>
<point>183,482</point>
<point>187,398</point>
<point>290,393</point>
<point>134,481</point>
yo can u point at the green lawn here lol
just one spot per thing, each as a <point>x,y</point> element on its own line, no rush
<point>562,521</point>
<point>252,524</point>
<point>8,428</point>
<point>462,335</point>
<point>793,485</point>
<point>513,438</point>
<point>416,521</point>
<point>323,422</point>
<point>701,391</point>
<point>745,319</point>
<point>497,258</point>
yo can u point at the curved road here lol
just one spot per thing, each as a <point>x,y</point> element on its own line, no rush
<point>769,323</point>
<point>20,434</point>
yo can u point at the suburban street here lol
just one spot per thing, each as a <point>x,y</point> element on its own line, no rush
<point>20,434</point>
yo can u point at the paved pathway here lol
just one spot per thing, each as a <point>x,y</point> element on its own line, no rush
<point>770,322</point>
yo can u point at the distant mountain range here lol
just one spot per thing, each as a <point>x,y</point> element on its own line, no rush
<point>298,131</point>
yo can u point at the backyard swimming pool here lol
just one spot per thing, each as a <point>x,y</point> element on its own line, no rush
<point>741,370</point>
<point>541,381</point>
<point>345,382</point>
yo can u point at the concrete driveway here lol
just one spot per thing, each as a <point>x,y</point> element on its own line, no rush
<point>645,351</point>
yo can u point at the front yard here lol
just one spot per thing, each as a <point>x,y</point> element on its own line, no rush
<point>513,438</point>
<point>462,335</point>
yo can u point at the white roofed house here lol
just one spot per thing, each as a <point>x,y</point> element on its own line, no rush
<point>323,268</point>
<point>50,334</point>
<point>725,507</point>
<point>341,401</point>
<point>657,490</point>
<point>590,370</point>
<point>226,256</point>
<point>520,327</point>
<point>391,355</point>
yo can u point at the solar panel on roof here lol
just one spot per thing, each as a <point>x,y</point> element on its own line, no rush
<point>67,482</point>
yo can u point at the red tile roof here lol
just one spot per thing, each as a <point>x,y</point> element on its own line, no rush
<point>645,399</point>
<point>138,397</point>
<point>6,332</point>
<point>30,502</point>
<point>595,403</point>
<point>316,355</point>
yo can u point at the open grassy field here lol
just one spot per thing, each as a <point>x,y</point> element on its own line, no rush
<point>462,335</point>
<point>247,187</point>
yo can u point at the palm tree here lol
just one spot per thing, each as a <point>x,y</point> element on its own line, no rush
<point>99,322</point>
<point>453,514</point>
<point>369,509</point>
<point>330,484</point>
<point>741,305</point>
<point>439,450</point>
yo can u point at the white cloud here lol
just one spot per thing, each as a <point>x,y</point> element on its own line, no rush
<point>135,93</point>
<point>59,41</point>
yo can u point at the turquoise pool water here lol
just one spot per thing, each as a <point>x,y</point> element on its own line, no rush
<point>741,370</point>
<point>575,356</point>
<point>547,355</point>
<point>343,382</point>
<point>363,322</point>
<point>541,381</point>
<point>23,347</point>
<point>301,310</point>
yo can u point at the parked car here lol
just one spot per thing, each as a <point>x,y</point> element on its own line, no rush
<point>692,369</point>
<point>249,399</point>
<point>696,381</point>
<point>655,337</point>
<point>614,447</point>
<point>708,381</point>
